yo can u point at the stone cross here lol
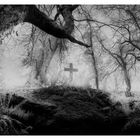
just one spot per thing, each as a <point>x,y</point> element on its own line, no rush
<point>71,70</point>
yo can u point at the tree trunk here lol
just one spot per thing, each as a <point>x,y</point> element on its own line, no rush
<point>48,55</point>
<point>116,83</point>
<point>95,71</point>
<point>94,59</point>
<point>128,82</point>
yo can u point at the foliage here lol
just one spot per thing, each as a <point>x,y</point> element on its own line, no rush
<point>10,120</point>
<point>67,110</point>
<point>81,111</point>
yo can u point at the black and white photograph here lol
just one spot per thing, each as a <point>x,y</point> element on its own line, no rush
<point>69,69</point>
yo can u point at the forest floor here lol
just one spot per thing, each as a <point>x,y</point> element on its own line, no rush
<point>67,111</point>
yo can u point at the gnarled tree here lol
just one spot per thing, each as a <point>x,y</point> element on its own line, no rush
<point>11,15</point>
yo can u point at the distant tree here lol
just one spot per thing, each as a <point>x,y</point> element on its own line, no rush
<point>127,31</point>
<point>124,21</point>
<point>123,61</point>
<point>93,56</point>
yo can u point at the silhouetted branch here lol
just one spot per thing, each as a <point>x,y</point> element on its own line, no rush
<point>12,15</point>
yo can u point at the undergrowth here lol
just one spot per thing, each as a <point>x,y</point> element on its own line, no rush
<point>11,116</point>
<point>65,110</point>
<point>80,109</point>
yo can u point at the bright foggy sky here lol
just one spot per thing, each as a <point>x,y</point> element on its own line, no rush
<point>14,75</point>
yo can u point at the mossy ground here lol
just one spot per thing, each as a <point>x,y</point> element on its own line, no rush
<point>70,111</point>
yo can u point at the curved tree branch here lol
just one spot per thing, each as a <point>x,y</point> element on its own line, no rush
<point>12,15</point>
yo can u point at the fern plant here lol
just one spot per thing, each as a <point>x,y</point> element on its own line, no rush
<point>8,124</point>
